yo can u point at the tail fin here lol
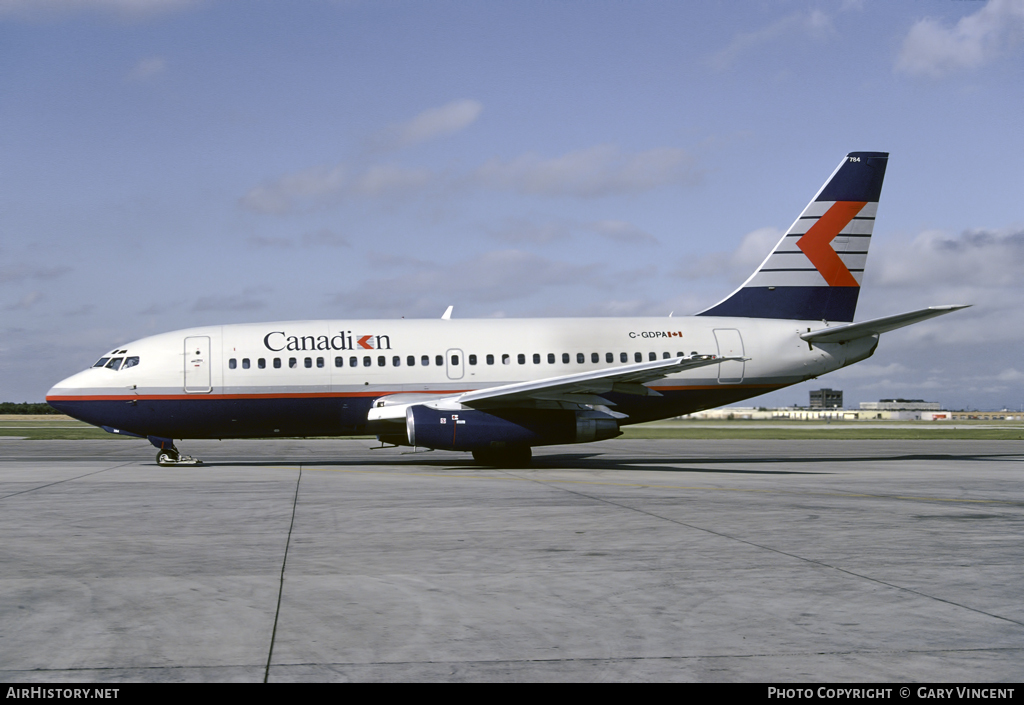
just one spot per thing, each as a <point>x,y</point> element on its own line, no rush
<point>814,272</point>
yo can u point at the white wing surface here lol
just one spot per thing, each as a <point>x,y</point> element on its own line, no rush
<point>852,331</point>
<point>580,388</point>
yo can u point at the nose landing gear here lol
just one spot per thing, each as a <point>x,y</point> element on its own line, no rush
<point>172,458</point>
<point>168,456</point>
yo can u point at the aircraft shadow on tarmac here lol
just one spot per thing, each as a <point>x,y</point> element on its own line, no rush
<point>601,461</point>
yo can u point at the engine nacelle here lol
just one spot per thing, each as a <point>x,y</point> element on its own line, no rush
<point>472,429</point>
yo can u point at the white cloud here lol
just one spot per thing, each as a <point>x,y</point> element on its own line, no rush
<point>54,8</point>
<point>387,179</point>
<point>248,300</point>
<point>428,125</point>
<point>523,231</point>
<point>26,302</point>
<point>622,232</point>
<point>813,23</point>
<point>1010,375</point>
<point>933,49</point>
<point>738,264</point>
<point>319,238</point>
<point>978,258</point>
<point>601,170</point>
<point>488,278</point>
<point>326,185</point>
<point>17,273</point>
<point>147,68</point>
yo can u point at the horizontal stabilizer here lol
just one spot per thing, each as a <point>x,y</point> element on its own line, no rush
<point>841,334</point>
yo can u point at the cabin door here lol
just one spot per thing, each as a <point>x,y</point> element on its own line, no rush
<point>454,363</point>
<point>730,344</point>
<point>197,364</point>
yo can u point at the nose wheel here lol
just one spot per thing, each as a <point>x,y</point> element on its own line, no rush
<point>170,457</point>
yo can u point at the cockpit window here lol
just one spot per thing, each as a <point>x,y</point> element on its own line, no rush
<point>130,362</point>
<point>115,363</point>
<point>102,362</point>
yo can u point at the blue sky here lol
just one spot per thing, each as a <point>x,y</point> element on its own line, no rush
<point>170,163</point>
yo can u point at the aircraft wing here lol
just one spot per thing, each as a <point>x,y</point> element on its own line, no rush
<point>627,379</point>
<point>580,388</point>
<point>852,331</point>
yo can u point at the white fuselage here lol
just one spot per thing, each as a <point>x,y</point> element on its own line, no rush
<point>321,377</point>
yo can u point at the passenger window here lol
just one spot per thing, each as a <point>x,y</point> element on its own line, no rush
<point>609,357</point>
<point>490,359</point>
<point>367,362</point>
<point>551,358</point>
<point>679,354</point>
<point>521,359</point>
<point>232,363</point>
<point>594,357</point>
<point>277,363</point>
<point>319,362</point>
<point>292,363</point>
<point>381,361</point>
<point>245,363</point>
<point>472,359</point>
<point>506,359</point>
<point>425,360</point>
<point>579,358</point>
<point>308,362</point>
<point>639,357</point>
<point>353,362</point>
<point>652,356</point>
<point>536,358</point>
<point>102,362</point>
<point>411,360</point>
<point>261,363</point>
<point>339,362</point>
<point>565,358</point>
<point>455,360</point>
<point>396,361</point>
<point>439,360</point>
<point>623,357</point>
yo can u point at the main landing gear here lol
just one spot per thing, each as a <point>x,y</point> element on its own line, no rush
<point>168,456</point>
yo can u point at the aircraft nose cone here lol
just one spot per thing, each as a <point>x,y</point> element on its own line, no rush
<point>60,394</point>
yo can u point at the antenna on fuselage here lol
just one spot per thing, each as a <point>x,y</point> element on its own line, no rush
<point>447,314</point>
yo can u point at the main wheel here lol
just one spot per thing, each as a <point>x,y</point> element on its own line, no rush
<point>514,457</point>
<point>167,458</point>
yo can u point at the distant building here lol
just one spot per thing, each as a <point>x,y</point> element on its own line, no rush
<point>827,399</point>
<point>900,405</point>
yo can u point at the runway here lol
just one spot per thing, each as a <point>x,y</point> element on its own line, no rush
<point>626,560</point>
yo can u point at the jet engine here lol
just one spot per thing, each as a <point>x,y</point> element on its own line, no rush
<point>474,430</point>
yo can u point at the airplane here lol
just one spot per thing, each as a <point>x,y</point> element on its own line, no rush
<point>499,387</point>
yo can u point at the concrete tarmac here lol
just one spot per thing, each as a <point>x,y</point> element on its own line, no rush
<point>627,560</point>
